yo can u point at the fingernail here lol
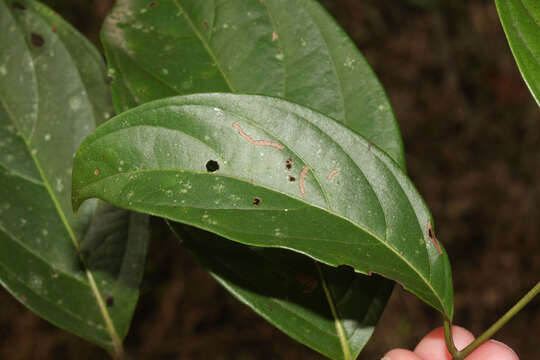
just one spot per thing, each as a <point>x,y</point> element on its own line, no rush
<point>386,358</point>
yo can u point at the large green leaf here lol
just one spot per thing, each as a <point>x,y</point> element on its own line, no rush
<point>287,48</point>
<point>80,273</point>
<point>286,290</point>
<point>221,162</point>
<point>521,23</point>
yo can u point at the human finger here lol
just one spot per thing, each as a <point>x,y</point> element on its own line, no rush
<point>433,345</point>
<point>401,354</point>
<point>493,350</point>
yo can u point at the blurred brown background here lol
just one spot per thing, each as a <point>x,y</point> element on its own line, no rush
<point>472,138</point>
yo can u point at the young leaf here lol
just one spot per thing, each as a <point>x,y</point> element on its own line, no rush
<point>220,162</point>
<point>285,289</point>
<point>80,273</point>
<point>521,23</point>
<point>287,48</point>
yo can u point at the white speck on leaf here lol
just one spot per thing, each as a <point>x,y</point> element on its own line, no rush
<point>75,103</point>
<point>279,56</point>
<point>349,63</point>
<point>47,137</point>
<point>59,185</point>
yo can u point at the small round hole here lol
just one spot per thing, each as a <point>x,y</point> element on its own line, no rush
<point>37,40</point>
<point>212,166</point>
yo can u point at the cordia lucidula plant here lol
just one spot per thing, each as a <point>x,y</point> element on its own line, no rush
<point>254,128</point>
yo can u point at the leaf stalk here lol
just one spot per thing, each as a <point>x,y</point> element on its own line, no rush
<point>461,354</point>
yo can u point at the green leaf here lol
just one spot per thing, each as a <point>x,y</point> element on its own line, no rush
<point>220,162</point>
<point>80,273</point>
<point>293,49</point>
<point>521,23</point>
<point>287,48</point>
<point>285,289</point>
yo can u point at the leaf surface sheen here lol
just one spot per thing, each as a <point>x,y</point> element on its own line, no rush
<point>292,49</point>
<point>286,48</point>
<point>153,159</point>
<point>521,23</point>
<point>62,267</point>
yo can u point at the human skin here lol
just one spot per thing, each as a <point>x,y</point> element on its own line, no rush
<point>433,347</point>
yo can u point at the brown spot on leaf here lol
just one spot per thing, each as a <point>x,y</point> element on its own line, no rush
<point>291,178</point>
<point>274,35</point>
<point>288,164</point>
<point>54,28</point>
<point>205,25</point>
<point>257,201</point>
<point>110,301</point>
<point>255,142</point>
<point>369,145</point>
<point>37,40</point>
<point>152,4</point>
<point>431,236</point>
<point>96,172</point>
<point>143,91</point>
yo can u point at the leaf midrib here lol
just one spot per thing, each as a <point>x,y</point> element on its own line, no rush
<point>101,304</point>
<point>205,44</point>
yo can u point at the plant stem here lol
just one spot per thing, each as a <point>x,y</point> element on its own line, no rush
<point>461,354</point>
<point>448,338</point>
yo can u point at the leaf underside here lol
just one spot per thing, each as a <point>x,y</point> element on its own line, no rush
<point>80,273</point>
<point>292,49</point>
<point>285,289</point>
<point>521,23</point>
<point>349,204</point>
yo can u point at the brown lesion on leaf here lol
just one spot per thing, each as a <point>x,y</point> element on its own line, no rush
<point>303,175</point>
<point>332,173</point>
<point>257,201</point>
<point>152,4</point>
<point>256,142</point>
<point>291,178</point>
<point>288,163</point>
<point>274,36</point>
<point>432,237</point>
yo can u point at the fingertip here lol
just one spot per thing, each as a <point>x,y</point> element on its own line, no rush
<point>401,354</point>
<point>493,350</point>
<point>433,345</point>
